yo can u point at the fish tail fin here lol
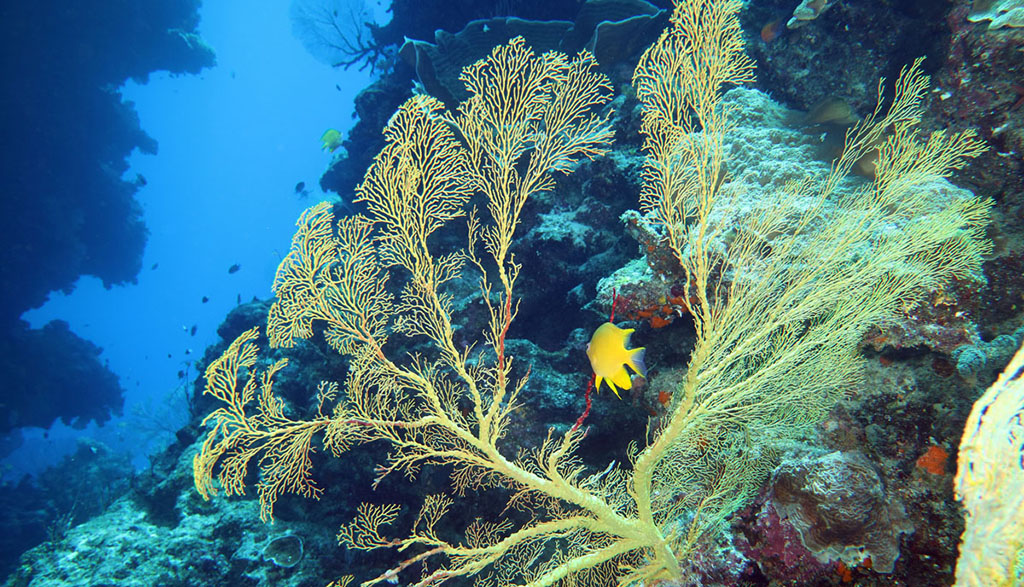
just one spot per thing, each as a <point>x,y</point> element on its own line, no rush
<point>636,361</point>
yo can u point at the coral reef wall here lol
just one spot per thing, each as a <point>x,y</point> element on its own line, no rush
<point>66,209</point>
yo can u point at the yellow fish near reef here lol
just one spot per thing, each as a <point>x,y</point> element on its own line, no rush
<point>331,140</point>
<point>609,357</point>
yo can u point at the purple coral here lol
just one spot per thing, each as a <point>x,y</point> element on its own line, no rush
<point>839,506</point>
<point>780,554</point>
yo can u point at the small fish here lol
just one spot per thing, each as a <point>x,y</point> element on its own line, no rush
<point>205,299</point>
<point>300,187</point>
<point>188,351</point>
<point>609,358</point>
<point>234,268</point>
<point>181,373</point>
<point>238,300</point>
<point>331,140</point>
<point>772,30</point>
<point>192,331</point>
<point>831,110</point>
<point>155,265</point>
<point>140,180</point>
<point>867,165</point>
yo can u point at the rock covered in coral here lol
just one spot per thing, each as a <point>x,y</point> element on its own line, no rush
<point>45,507</point>
<point>775,545</point>
<point>837,49</point>
<point>82,390</point>
<point>998,13</point>
<point>164,534</point>
<point>971,359</point>
<point>615,31</point>
<point>767,150</point>
<point>66,210</point>
<point>979,87</point>
<point>439,37</point>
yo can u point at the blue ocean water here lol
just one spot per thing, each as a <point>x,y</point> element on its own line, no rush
<point>234,140</point>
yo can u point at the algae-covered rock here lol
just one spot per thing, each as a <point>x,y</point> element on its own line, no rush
<point>1000,13</point>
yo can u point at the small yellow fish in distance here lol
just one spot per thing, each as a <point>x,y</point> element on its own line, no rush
<point>331,140</point>
<point>609,358</point>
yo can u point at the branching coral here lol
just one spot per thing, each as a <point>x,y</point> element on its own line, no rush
<point>337,32</point>
<point>775,343</point>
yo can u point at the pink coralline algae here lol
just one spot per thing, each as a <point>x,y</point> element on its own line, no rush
<point>840,508</point>
<point>775,545</point>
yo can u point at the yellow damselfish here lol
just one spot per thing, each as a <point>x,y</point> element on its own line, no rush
<point>331,140</point>
<point>609,357</point>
